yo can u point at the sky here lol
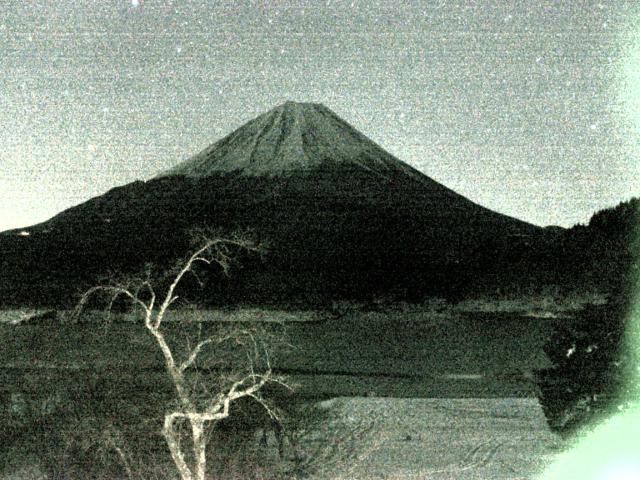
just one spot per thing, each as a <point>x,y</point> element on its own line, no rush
<point>528,108</point>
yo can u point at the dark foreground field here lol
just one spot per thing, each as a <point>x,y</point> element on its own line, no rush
<point>467,408</point>
<point>405,438</point>
<point>456,355</point>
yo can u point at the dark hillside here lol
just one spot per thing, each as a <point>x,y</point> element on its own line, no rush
<point>604,254</point>
<point>331,234</point>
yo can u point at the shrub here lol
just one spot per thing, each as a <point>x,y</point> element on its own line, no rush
<point>589,360</point>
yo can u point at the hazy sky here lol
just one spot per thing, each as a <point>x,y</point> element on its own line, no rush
<point>531,108</point>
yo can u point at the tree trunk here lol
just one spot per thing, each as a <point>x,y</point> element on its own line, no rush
<point>199,448</point>
<point>174,448</point>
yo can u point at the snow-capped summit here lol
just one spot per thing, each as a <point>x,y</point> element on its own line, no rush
<point>291,137</point>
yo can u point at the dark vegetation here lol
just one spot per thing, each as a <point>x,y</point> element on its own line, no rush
<point>87,424</point>
<point>592,362</point>
<point>602,255</point>
<point>593,359</point>
<point>70,419</point>
<point>80,399</point>
<point>336,232</point>
<point>329,241</point>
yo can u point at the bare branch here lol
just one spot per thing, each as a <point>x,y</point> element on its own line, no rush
<point>198,256</point>
<point>264,404</point>
<point>115,292</point>
<point>280,381</point>
<point>255,386</point>
<point>193,408</point>
<point>194,353</point>
<point>169,297</point>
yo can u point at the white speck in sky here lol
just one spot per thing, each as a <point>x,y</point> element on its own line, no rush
<point>135,3</point>
<point>593,126</point>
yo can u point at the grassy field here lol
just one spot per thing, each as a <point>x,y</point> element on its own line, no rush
<point>439,377</point>
<point>416,355</point>
<point>392,438</point>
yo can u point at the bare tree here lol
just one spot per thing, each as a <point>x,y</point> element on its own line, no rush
<point>197,407</point>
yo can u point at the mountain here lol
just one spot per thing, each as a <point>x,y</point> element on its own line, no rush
<point>343,217</point>
<point>293,137</point>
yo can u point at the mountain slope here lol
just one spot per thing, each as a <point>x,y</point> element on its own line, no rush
<point>292,137</point>
<point>343,217</point>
